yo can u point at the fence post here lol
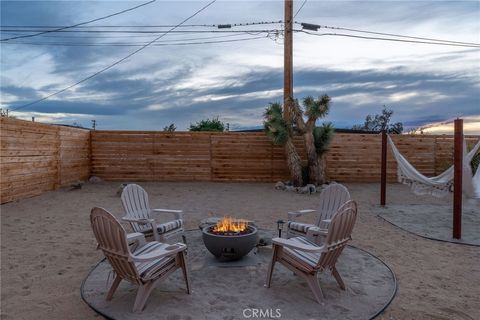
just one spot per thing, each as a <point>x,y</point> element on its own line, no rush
<point>457,179</point>
<point>58,159</point>
<point>211,158</point>
<point>383,183</point>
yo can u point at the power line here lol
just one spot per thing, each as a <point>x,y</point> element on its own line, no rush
<point>79,24</point>
<point>116,62</point>
<point>304,1</point>
<point>391,34</point>
<point>389,39</point>
<point>159,32</point>
<point>177,43</point>
<point>120,37</point>
<point>149,26</point>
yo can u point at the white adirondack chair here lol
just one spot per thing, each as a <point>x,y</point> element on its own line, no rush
<point>150,263</point>
<point>139,215</point>
<point>331,199</point>
<point>306,259</point>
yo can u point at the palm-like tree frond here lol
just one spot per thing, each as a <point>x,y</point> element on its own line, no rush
<point>323,136</point>
<point>275,127</point>
<point>315,109</point>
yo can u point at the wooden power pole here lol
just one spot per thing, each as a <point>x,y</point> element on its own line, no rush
<point>457,179</point>
<point>288,60</point>
<point>383,175</point>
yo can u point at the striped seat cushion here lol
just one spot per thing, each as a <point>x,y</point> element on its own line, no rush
<point>154,268</point>
<point>299,227</point>
<point>308,260</point>
<point>168,226</point>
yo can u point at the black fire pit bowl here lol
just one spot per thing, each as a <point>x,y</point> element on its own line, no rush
<point>229,247</point>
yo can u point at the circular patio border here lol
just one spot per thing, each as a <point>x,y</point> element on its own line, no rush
<point>380,311</point>
<point>400,226</point>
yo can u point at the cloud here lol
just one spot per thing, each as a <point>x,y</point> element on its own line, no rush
<point>236,81</point>
<point>471,125</point>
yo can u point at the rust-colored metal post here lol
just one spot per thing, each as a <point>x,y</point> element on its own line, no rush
<point>383,182</point>
<point>457,179</point>
<point>288,60</point>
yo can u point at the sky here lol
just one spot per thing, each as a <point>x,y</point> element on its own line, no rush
<point>425,85</point>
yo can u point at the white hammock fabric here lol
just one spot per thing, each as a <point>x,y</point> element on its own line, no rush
<point>441,185</point>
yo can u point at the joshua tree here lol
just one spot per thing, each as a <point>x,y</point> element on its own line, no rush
<point>316,139</point>
<point>281,133</point>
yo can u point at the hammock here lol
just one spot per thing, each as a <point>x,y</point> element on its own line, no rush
<point>441,185</point>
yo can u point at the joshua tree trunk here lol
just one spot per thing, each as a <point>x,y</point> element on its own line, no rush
<point>294,163</point>
<point>314,167</point>
<point>322,174</point>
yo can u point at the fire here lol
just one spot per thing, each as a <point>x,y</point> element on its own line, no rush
<point>229,224</point>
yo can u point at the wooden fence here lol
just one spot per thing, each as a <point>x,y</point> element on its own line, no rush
<point>38,157</point>
<point>187,156</point>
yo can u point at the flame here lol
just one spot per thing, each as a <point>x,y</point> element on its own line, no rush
<point>229,224</point>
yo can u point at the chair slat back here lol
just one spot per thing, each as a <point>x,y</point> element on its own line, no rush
<point>339,233</point>
<point>112,240</point>
<point>135,203</point>
<point>331,199</point>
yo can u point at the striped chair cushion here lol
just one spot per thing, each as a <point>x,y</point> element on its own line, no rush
<point>308,260</point>
<point>299,227</point>
<point>168,226</point>
<point>154,268</point>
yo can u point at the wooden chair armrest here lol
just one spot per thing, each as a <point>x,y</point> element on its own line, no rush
<point>295,214</point>
<point>140,221</point>
<point>136,237</point>
<point>293,245</point>
<point>177,213</point>
<point>168,250</point>
<point>150,222</point>
<point>315,232</point>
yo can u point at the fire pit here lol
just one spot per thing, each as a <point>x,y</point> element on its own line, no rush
<point>230,239</point>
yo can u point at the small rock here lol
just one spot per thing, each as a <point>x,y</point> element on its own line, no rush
<point>262,242</point>
<point>303,190</point>
<point>280,185</point>
<point>77,185</point>
<point>95,179</point>
<point>311,188</point>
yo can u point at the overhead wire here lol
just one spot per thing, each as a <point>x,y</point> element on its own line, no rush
<point>137,37</point>
<point>79,24</point>
<point>390,39</point>
<point>158,31</point>
<point>392,34</point>
<point>116,62</point>
<point>299,9</point>
<point>173,43</point>
<point>150,26</point>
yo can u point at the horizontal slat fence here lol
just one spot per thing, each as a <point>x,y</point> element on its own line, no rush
<point>202,156</point>
<point>38,157</point>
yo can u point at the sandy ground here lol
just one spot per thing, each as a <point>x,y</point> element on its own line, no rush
<point>47,246</point>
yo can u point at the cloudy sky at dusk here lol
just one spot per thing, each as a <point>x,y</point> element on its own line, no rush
<point>177,81</point>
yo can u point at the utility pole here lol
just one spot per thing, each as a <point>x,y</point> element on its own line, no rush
<point>288,60</point>
<point>457,178</point>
